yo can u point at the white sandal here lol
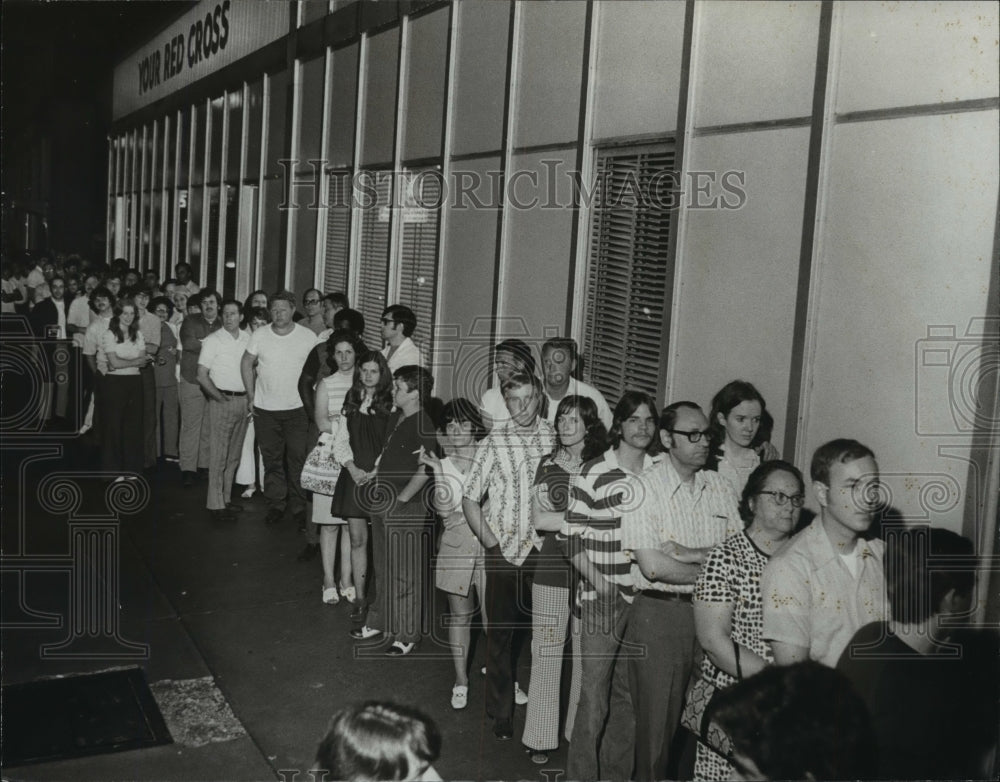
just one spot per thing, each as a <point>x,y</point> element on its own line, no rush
<point>330,596</point>
<point>459,696</point>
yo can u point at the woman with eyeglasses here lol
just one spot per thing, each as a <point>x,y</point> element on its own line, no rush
<point>737,448</point>
<point>728,607</point>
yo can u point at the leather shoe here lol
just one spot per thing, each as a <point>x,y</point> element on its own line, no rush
<point>309,552</point>
<point>233,507</point>
<point>274,516</point>
<point>223,516</point>
<point>187,479</point>
<point>503,730</point>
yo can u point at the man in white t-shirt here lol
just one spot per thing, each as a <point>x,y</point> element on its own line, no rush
<point>220,377</point>
<point>398,324</point>
<point>278,352</point>
<point>559,359</point>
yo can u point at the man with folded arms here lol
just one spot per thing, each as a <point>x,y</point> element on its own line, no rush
<point>220,377</point>
<point>681,512</point>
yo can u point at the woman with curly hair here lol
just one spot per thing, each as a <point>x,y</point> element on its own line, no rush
<point>728,606</point>
<point>331,392</point>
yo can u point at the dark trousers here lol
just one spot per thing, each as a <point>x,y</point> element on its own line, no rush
<point>401,548</point>
<point>122,440</point>
<point>658,679</point>
<point>508,607</point>
<point>602,744</point>
<point>148,416</point>
<point>283,436</point>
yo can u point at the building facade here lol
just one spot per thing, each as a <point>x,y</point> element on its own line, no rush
<point>803,195</point>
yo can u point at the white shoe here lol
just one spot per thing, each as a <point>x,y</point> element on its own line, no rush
<point>349,594</point>
<point>520,696</point>
<point>248,492</point>
<point>459,696</point>
<point>330,596</point>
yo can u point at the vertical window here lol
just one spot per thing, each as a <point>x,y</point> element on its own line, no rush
<point>338,231</point>
<point>627,273</point>
<point>418,250</point>
<point>374,197</point>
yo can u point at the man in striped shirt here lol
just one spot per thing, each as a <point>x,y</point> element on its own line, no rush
<point>592,533</point>
<point>681,512</point>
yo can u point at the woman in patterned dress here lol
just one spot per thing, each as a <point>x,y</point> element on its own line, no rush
<point>728,609</point>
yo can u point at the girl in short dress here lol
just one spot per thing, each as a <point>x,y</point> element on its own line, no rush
<point>331,392</point>
<point>356,446</point>
<point>460,569</point>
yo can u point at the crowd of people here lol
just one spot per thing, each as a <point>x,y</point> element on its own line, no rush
<point>663,555</point>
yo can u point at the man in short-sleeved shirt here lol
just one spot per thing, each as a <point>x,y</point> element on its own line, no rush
<point>220,377</point>
<point>270,368</point>
<point>681,512</point>
<point>504,467</point>
<point>828,580</point>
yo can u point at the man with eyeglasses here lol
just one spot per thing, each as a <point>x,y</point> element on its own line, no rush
<point>679,513</point>
<point>828,580</point>
<point>312,301</point>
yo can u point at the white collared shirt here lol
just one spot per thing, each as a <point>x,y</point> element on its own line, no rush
<point>698,514</point>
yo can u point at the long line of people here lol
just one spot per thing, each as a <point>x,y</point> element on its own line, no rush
<point>664,554</point>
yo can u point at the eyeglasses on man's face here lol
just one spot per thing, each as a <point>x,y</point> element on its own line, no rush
<point>780,498</point>
<point>311,301</point>
<point>388,322</point>
<point>693,436</point>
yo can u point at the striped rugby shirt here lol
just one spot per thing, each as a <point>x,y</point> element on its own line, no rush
<point>598,494</point>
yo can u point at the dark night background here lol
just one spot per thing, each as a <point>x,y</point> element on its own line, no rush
<point>58,59</point>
